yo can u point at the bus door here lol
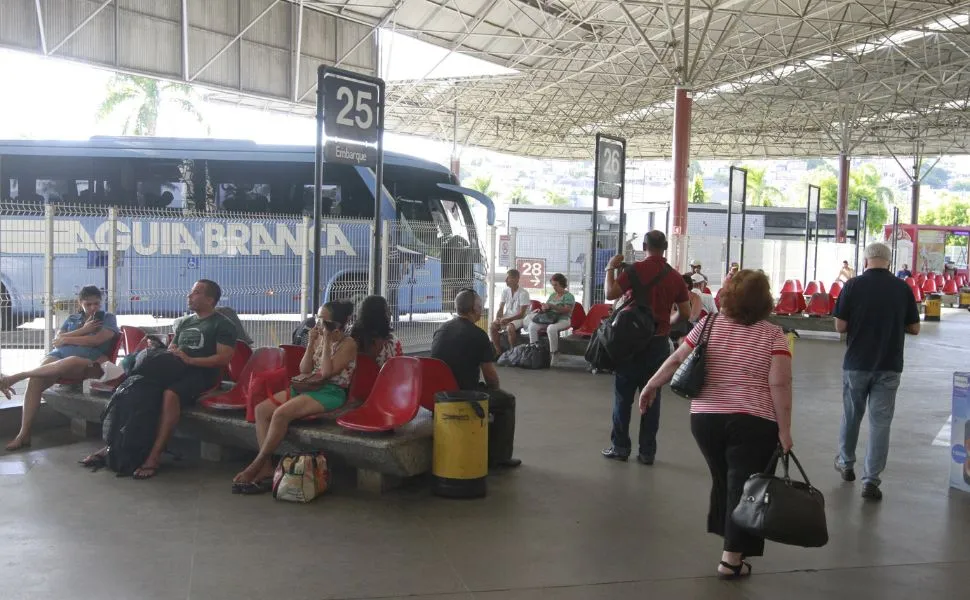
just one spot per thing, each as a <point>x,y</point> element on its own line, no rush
<point>470,262</point>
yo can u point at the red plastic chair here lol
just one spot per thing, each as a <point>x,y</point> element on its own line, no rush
<point>535,305</point>
<point>240,358</point>
<point>940,282</point>
<point>929,286</point>
<point>820,305</point>
<point>365,376</point>
<point>950,287</point>
<point>917,293</point>
<point>596,314</point>
<point>910,281</point>
<point>815,287</point>
<point>578,317</point>
<point>393,402</point>
<point>793,285</point>
<point>131,337</point>
<point>920,279</point>
<point>293,355</point>
<point>961,281</point>
<point>791,303</point>
<point>835,291</point>
<point>436,376</point>
<point>261,361</point>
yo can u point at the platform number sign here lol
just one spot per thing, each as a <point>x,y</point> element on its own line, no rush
<point>352,117</point>
<point>532,272</point>
<point>612,156</point>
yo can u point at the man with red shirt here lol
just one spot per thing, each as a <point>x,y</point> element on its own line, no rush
<point>668,291</point>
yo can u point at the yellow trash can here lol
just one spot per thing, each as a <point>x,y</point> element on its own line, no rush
<point>964,297</point>
<point>460,463</point>
<point>934,307</point>
<point>792,335</point>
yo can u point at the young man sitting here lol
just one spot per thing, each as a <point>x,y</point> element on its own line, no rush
<point>81,350</point>
<point>205,342</point>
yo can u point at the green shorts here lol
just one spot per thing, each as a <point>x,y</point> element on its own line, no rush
<point>330,396</point>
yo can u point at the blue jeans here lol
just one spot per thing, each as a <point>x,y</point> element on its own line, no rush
<point>877,389</point>
<point>626,381</point>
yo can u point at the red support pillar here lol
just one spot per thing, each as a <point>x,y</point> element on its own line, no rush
<point>681,155</point>
<point>842,206</point>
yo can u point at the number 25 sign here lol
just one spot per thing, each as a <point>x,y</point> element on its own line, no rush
<point>351,106</point>
<point>532,272</point>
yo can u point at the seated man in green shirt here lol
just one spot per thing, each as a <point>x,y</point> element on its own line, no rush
<point>558,309</point>
<point>204,341</point>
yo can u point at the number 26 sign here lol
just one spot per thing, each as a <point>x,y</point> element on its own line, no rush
<point>532,272</point>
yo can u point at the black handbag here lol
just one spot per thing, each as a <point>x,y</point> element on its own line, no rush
<point>545,318</point>
<point>688,379</point>
<point>782,510</point>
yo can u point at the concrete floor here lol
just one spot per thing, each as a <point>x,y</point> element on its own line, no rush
<point>568,525</point>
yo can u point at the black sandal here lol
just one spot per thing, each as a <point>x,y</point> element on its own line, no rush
<point>737,571</point>
<point>252,488</point>
<point>94,462</point>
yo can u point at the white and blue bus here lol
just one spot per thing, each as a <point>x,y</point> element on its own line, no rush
<point>230,211</point>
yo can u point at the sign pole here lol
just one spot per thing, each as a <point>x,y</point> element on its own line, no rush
<point>590,294</point>
<point>317,206</point>
<point>622,233</point>
<point>808,232</point>
<point>730,215</point>
<point>378,194</point>
<point>744,212</point>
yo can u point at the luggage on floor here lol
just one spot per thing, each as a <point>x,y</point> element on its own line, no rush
<point>129,423</point>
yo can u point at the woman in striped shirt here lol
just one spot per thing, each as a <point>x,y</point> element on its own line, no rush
<point>743,412</point>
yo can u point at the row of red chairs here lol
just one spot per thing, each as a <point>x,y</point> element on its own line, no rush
<point>821,303</point>
<point>388,397</point>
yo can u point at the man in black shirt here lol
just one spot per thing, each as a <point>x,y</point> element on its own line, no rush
<point>467,350</point>
<point>876,310</point>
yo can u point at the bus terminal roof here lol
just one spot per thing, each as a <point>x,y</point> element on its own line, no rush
<point>769,78</point>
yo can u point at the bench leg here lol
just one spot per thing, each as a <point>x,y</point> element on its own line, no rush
<point>218,453</point>
<point>85,429</point>
<point>374,482</point>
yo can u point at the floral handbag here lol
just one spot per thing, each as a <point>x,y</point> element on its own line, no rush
<point>301,477</point>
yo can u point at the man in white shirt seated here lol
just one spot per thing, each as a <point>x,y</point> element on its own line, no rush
<point>698,285</point>
<point>511,312</point>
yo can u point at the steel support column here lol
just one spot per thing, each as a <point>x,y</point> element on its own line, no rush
<point>681,151</point>
<point>914,202</point>
<point>842,204</point>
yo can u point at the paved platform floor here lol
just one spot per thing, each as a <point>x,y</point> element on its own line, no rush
<point>568,525</point>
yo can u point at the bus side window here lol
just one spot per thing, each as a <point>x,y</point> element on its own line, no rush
<point>330,198</point>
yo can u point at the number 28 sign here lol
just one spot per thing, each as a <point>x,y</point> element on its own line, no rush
<point>532,272</point>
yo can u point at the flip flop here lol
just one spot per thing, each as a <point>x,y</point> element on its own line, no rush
<point>146,473</point>
<point>21,446</point>
<point>737,571</point>
<point>94,461</point>
<point>252,488</point>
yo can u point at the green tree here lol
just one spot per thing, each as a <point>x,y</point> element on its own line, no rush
<point>864,184</point>
<point>937,178</point>
<point>694,169</point>
<point>483,185</point>
<point>518,196</point>
<point>142,99</point>
<point>961,185</point>
<point>951,212</point>
<point>759,192</point>
<point>697,194</point>
<point>556,199</point>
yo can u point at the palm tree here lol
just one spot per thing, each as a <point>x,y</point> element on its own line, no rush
<point>483,185</point>
<point>759,193</point>
<point>143,97</point>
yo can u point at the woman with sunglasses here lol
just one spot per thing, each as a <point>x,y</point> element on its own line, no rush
<point>330,354</point>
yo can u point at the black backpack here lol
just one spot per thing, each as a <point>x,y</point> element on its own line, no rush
<point>129,423</point>
<point>527,356</point>
<point>627,332</point>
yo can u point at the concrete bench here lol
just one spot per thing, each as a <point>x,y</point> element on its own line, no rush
<point>806,323</point>
<point>380,461</point>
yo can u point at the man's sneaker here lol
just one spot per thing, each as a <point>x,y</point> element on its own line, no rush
<point>871,491</point>
<point>643,459</point>
<point>613,454</point>
<point>848,474</point>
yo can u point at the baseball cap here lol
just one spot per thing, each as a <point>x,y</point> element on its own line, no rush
<point>697,278</point>
<point>695,263</point>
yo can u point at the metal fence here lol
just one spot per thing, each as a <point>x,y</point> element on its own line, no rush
<point>146,261</point>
